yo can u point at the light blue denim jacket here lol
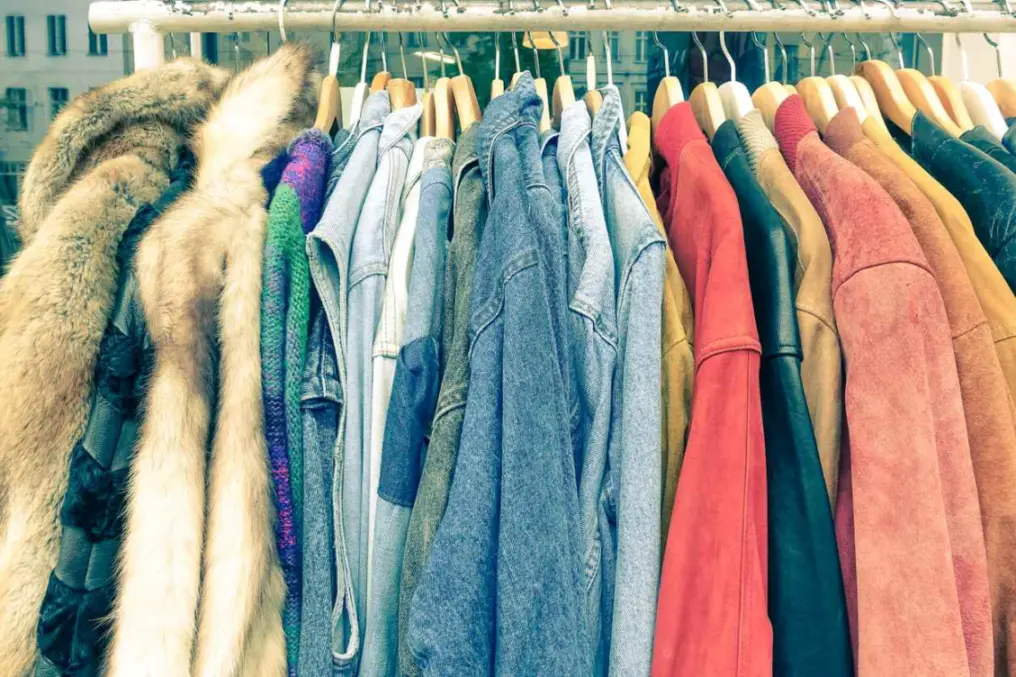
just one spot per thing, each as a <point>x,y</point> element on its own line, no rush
<point>328,249</point>
<point>411,408</point>
<point>593,336</point>
<point>368,268</point>
<point>633,487</point>
<point>501,593</point>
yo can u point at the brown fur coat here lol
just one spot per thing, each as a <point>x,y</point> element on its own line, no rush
<point>201,586</point>
<point>107,154</point>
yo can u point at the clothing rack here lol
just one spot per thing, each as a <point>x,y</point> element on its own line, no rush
<point>149,20</point>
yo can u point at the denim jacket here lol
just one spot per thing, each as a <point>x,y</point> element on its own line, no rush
<point>328,250</point>
<point>368,267</point>
<point>633,487</point>
<point>501,592</point>
<point>593,337</point>
<point>469,214</point>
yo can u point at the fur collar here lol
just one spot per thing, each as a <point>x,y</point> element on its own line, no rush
<point>109,153</point>
<point>176,95</point>
<point>190,553</point>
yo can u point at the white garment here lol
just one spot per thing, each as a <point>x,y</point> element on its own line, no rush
<point>388,337</point>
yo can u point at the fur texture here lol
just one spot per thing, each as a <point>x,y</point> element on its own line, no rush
<point>107,154</point>
<point>201,586</point>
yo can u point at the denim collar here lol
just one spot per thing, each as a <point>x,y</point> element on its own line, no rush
<point>439,153</point>
<point>398,125</point>
<point>520,106</point>
<point>575,130</point>
<point>375,109</point>
<point>608,130</point>
<point>726,143</point>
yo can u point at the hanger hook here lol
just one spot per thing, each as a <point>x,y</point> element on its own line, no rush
<point>335,51</point>
<point>765,55</point>
<point>515,50</point>
<point>363,61</point>
<point>811,52</point>
<point>705,57</point>
<point>236,52</point>
<point>897,47</point>
<point>726,54</point>
<point>560,54</point>
<point>724,9</point>
<point>783,54</point>
<point>282,19</point>
<point>864,10</point>
<point>864,46</point>
<point>536,54</point>
<point>853,51</point>
<point>384,50</point>
<point>402,57</point>
<point>609,57</point>
<point>172,45</point>
<point>931,52</point>
<point>828,48</point>
<point>497,56</point>
<point>455,51</point>
<point>998,53</point>
<point>666,54</point>
<point>808,10</point>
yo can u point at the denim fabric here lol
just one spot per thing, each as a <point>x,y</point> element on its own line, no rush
<point>409,411</point>
<point>980,138</point>
<point>1009,139</point>
<point>328,249</point>
<point>593,337</point>
<point>388,336</point>
<point>633,486</point>
<point>469,214</point>
<point>368,268</point>
<point>321,403</point>
<point>501,592</point>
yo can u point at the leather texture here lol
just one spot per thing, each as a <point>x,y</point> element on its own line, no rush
<point>985,188</point>
<point>806,603</point>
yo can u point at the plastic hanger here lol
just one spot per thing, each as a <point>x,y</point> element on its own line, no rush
<point>329,112</point>
<point>892,100</point>
<point>844,90</point>
<point>541,86</point>
<point>497,84</point>
<point>768,96</point>
<point>669,92</point>
<point>466,105</point>
<point>771,94</point>
<point>593,98</point>
<point>428,122</point>
<point>1003,91</point>
<point>401,90</point>
<point>816,93</point>
<point>922,94</point>
<point>361,89</point>
<point>564,92</point>
<point>980,105</point>
<point>705,99</point>
<point>734,95</point>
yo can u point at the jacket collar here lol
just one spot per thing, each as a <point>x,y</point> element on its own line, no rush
<point>790,126</point>
<point>106,120</point>
<point>677,130</point>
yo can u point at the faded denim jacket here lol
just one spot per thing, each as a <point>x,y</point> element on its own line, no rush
<point>633,487</point>
<point>413,394</point>
<point>328,250</point>
<point>501,593</point>
<point>469,214</point>
<point>593,337</point>
<point>368,268</point>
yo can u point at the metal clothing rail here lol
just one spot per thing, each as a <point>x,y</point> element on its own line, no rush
<point>149,20</point>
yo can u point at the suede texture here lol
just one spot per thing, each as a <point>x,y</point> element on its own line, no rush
<point>902,527</point>
<point>985,404</point>
<point>711,615</point>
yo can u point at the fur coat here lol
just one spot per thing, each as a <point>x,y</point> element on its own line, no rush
<point>201,587</point>
<point>107,154</point>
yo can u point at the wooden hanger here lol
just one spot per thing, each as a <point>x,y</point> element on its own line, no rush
<point>952,101</point>
<point>1004,93</point>
<point>922,93</point>
<point>767,100</point>
<point>401,91</point>
<point>444,109</point>
<point>564,91</point>
<point>892,100</point>
<point>733,94</point>
<point>540,84</point>
<point>380,81</point>
<point>867,95</point>
<point>669,92</point>
<point>844,90</point>
<point>983,108</point>
<point>816,94</point>
<point>705,100</point>
<point>428,118</point>
<point>361,89</point>
<point>329,112</point>
<point>593,98</point>
<point>463,93</point>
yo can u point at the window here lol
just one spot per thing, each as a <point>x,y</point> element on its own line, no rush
<point>641,46</point>
<point>17,109</point>
<point>15,36</point>
<point>56,32</point>
<point>577,46</point>
<point>57,100</point>
<point>615,46</point>
<point>642,101</point>
<point>98,45</point>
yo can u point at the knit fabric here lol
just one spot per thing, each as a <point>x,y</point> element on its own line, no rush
<point>285,312</point>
